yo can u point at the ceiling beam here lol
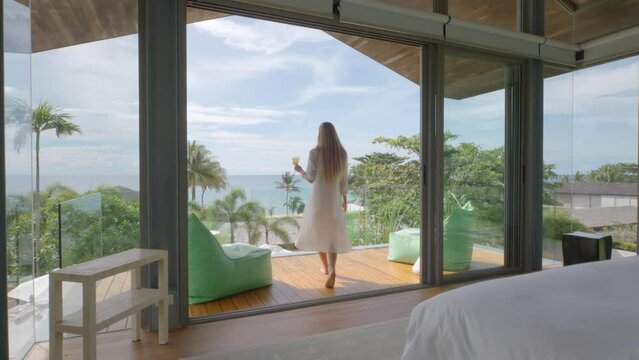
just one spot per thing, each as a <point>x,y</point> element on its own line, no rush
<point>568,5</point>
<point>590,4</point>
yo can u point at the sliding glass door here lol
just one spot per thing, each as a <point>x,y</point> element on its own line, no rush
<point>477,112</point>
<point>257,94</point>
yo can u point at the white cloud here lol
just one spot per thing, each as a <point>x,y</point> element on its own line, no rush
<point>235,116</point>
<point>12,92</point>
<point>252,153</point>
<point>586,91</point>
<point>318,90</point>
<point>88,160</point>
<point>260,36</point>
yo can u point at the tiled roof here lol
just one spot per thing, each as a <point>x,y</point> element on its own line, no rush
<point>606,216</point>
<point>625,189</point>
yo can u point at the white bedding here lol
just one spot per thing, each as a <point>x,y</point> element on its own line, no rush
<point>586,311</point>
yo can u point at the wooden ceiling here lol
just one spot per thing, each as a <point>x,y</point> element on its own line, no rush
<point>61,23</point>
<point>462,77</point>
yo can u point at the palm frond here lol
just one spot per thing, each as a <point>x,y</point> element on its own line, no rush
<point>20,138</point>
<point>281,233</point>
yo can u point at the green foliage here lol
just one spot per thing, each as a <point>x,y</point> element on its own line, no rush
<point>622,232</point>
<point>248,213</point>
<point>557,221</point>
<point>614,173</point>
<point>19,235</point>
<point>276,226</point>
<point>234,208</point>
<point>624,245</point>
<point>387,184</point>
<point>296,205</point>
<point>113,227</point>
<point>358,230</point>
<point>110,227</point>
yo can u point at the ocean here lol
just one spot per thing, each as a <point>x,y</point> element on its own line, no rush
<point>260,188</point>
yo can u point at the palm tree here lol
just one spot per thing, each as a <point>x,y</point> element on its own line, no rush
<point>231,210</point>
<point>296,205</point>
<point>288,183</point>
<point>249,214</point>
<point>275,226</point>
<point>203,170</point>
<point>45,116</point>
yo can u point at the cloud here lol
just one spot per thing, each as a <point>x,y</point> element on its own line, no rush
<point>89,160</point>
<point>101,75</point>
<point>259,36</point>
<point>586,91</point>
<point>12,92</point>
<point>235,116</point>
<point>250,153</point>
<point>319,90</point>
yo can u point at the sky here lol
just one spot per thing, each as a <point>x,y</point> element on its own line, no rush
<point>258,90</point>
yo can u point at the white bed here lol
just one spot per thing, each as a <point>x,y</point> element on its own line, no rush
<point>587,311</point>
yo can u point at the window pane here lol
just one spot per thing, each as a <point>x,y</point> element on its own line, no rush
<point>474,167</point>
<point>590,152</point>
<point>604,189</point>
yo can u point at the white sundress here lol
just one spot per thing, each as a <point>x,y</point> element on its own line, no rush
<point>323,223</point>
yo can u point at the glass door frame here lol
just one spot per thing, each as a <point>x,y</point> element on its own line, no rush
<point>363,294</point>
<point>433,143</point>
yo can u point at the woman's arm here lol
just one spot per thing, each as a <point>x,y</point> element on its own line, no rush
<point>311,168</point>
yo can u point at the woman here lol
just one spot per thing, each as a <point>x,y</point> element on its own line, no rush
<point>323,224</point>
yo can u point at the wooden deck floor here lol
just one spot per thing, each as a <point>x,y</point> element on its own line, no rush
<point>297,278</point>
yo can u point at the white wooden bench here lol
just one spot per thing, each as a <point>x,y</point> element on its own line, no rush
<point>96,316</point>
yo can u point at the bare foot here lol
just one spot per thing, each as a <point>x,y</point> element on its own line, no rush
<point>330,282</point>
<point>324,271</point>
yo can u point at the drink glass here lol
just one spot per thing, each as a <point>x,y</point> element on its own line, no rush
<point>296,160</point>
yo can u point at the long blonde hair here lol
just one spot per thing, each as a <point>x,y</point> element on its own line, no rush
<point>332,155</point>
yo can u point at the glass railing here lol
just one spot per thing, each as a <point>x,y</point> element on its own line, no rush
<point>97,225</point>
<point>80,229</point>
<point>268,217</point>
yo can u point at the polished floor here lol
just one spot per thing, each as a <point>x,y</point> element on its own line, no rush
<point>249,332</point>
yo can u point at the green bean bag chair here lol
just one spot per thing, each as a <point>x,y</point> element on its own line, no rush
<point>403,245</point>
<point>217,271</point>
<point>458,238</point>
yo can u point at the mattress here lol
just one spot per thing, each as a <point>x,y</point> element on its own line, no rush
<point>586,311</point>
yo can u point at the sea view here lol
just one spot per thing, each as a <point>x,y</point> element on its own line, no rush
<point>259,188</point>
